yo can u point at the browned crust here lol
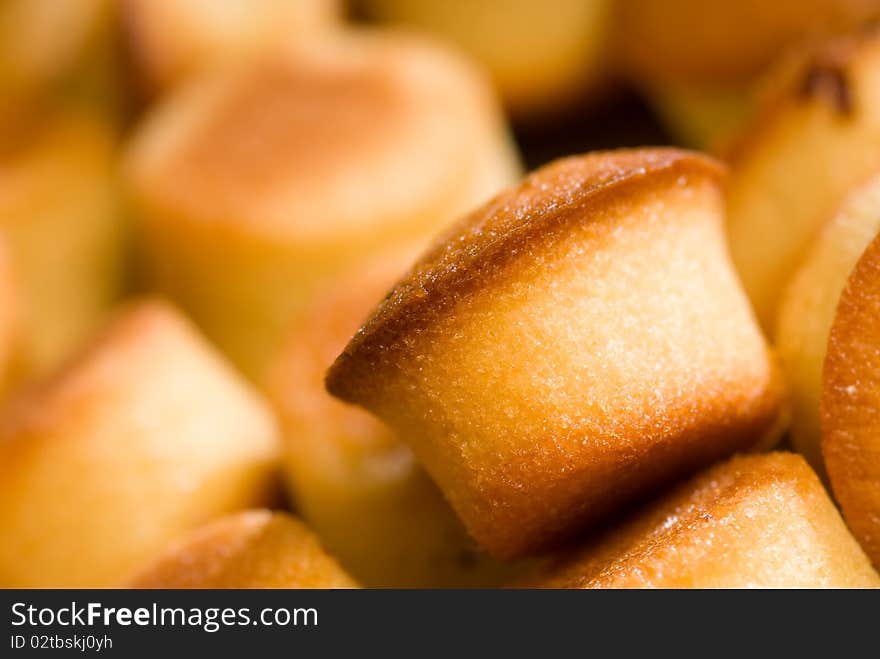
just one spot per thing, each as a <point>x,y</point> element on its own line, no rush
<point>850,407</point>
<point>567,192</point>
<point>234,149</point>
<point>731,42</point>
<point>825,74</point>
<point>649,546</point>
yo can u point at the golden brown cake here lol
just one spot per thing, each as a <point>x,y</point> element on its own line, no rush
<point>170,40</point>
<point>540,54</point>
<point>762,521</point>
<point>808,305</point>
<point>817,138</point>
<point>253,186</point>
<point>142,437</point>
<point>577,341</point>
<point>253,549</point>
<point>351,479</point>
<point>60,218</point>
<point>851,402</point>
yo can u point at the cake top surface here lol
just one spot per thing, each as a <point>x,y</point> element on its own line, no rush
<point>318,137</point>
<point>571,191</point>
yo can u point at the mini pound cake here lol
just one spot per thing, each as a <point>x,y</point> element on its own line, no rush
<point>761,521</point>
<point>253,549</point>
<point>144,436</point>
<point>358,486</point>
<point>252,186</point>
<point>808,307</point>
<point>577,341</point>
<point>816,138</point>
<point>850,408</point>
<point>171,40</point>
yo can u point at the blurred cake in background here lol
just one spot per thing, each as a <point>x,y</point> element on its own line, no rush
<point>142,437</point>
<point>814,139</point>
<point>253,185</point>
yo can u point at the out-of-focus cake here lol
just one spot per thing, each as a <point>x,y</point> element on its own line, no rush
<point>142,437</point>
<point>253,549</point>
<point>253,186</point>
<point>42,41</point>
<point>817,138</point>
